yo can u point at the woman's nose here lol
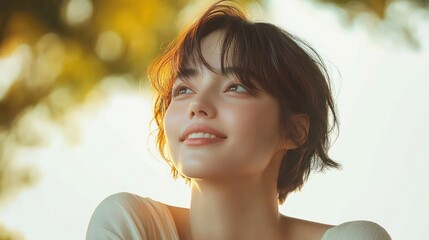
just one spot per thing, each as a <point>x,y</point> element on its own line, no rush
<point>200,109</point>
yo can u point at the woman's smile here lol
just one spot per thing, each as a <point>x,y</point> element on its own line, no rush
<point>200,135</point>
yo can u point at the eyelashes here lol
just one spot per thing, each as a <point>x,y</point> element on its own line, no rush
<point>183,88</point>
<point>237,87</point>
<point>178,89</point>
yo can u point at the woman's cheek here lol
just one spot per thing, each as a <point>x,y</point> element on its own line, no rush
<point>171,122</point>
<point>257,125</point>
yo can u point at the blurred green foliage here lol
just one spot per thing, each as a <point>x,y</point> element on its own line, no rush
<point>394,19</point>
<point>53,53</point>
<point>378,7</point>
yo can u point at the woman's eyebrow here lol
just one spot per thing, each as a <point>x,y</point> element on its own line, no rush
<point>186,72</point>
<point>230,70</point>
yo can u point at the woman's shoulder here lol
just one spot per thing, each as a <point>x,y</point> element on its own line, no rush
<point>128,205</point>
<point>127,201</point>
<point>357,230</point>
<point>129,216</point>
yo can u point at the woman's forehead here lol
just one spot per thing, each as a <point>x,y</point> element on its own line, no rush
<point>209,53</point>
<point>212,43</point>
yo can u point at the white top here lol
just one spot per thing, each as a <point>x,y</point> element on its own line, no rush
<point>125,216</point>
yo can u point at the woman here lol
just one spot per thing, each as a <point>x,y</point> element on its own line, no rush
<point>242,110</point>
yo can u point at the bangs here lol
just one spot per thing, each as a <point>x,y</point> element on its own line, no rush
<point>261,56</point>
<point>241,51</point>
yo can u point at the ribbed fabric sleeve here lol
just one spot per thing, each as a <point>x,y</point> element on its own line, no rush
<point>357,230</point>
<point>125,216</point>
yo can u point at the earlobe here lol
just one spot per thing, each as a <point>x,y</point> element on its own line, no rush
<point>298,131</point>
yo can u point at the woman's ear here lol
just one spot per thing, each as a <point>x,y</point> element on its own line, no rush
<point>298,131</point>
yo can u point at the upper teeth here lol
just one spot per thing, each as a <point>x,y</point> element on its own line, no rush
<point>201,135</point>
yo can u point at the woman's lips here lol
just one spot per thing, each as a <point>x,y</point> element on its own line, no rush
<point>198,128</point>
<point>202,141</point>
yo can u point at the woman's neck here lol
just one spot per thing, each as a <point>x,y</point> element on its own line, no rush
<point>233,211</point>
<point>242,208</point>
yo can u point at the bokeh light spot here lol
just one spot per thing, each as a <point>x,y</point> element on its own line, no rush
<point>77,11</point>
<point>48,61</point>
<point>109,46</point>
<point>12,67</point>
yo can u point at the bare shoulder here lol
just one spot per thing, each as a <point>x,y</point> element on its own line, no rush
<point>301,229</point>
<point>181,219</point>
<point>178,213</point>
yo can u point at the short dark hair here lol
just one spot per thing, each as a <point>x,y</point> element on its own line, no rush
<point>284,66</point>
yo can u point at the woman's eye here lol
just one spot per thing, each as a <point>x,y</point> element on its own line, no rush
<point>236,88</point>
<point>179,90</point>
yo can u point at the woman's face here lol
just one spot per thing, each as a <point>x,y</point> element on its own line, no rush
<point>242,134</point>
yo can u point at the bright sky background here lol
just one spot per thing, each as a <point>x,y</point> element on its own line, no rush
<point>383,109</point>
